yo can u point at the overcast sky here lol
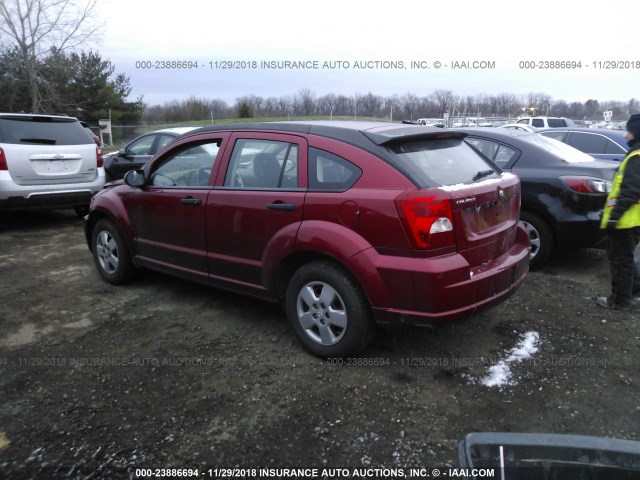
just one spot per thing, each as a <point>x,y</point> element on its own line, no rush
<point>504,33</point>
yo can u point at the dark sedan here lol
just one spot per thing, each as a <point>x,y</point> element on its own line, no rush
<point>563,189</point>
<point>139,151</point>
<point>601,143</point>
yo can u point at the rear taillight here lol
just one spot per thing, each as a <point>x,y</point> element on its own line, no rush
<point>99,157</point>
<point>586,184</point>
<point>428,217</point>
<point>3,161</point>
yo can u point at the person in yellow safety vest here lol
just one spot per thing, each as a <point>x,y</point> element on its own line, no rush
<point>621,219</point>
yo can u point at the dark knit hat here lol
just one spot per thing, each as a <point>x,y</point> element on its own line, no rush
<point>633,125</point>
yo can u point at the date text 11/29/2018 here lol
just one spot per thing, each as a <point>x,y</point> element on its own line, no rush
<point>579,65</point>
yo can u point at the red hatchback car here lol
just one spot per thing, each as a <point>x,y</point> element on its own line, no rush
<point>347,224</point>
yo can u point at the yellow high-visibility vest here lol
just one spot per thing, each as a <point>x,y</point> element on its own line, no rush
<point>630,218</point>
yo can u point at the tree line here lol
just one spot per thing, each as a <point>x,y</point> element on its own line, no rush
<point>409,106</point>
<point>43,70</point>
<point>78,84</point>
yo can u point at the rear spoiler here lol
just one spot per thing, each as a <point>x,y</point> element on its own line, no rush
<point>411,132</point>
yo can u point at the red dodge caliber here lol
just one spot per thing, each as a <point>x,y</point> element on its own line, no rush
<point>347,224</point>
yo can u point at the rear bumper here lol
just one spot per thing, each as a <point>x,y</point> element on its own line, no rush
<point>580,231</point>
<point>434,291</point>
<point>21,197</point>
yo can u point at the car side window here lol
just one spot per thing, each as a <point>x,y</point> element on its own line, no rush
<point>504,155</point>
<point>500,154</point>
<point>163,141</point>
<point>537,122</point>
<point>556,122</point>
<point>614,149</point>
<point>189,166</point>
<point>331,172</point>
<point>587,142</point>
<point>553,134</point>
<point>142,146</point>
<point>263,164</point>
<point>487,148</point>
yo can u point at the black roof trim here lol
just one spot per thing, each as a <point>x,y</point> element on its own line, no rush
<point>353,132</point>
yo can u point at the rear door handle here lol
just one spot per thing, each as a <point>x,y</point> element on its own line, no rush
<point>191,201</point>
<point>289,207</point>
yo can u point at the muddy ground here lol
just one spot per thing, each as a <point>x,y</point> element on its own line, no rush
<point>97,381</point>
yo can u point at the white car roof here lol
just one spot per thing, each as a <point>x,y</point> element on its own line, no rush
<point>177,130</point>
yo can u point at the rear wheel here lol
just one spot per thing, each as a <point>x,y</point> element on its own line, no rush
<point>111,254</point>
<point>328,311</point>
<point>540,238</point>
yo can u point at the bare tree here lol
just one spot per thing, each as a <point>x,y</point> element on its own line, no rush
<point>443,99</point>
<point>37,26</point>
<point>410,103</point>
<point>306,101</point>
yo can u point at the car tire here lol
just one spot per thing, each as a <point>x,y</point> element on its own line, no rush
<point>540,238</point>
<point>111,253</point>
<point>328,310</point>
<point>81,212</point>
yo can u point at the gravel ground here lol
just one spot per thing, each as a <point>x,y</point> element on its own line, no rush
<point>97,381</point>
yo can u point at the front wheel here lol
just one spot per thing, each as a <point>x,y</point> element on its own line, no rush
<point>328,311</point>
<point>111,253</point>
<point>540,238</point>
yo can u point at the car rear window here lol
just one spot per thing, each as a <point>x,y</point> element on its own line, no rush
<point>42,131</point>
<point>442,162</point>
<point>557,148</point>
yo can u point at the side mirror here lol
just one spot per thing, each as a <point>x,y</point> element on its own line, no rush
<point>134,178</point>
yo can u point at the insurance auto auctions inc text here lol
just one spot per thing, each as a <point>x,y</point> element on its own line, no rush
<point>331,473</point>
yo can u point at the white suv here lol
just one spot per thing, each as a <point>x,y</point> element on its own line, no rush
<point>546,122</point>
<point>47,162</point>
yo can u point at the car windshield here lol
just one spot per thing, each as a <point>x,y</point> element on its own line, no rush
<point>443,162</point>
<point>559,149</point>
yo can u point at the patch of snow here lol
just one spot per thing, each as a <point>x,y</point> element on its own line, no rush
<point>462,186</point>
<point>500,374</point>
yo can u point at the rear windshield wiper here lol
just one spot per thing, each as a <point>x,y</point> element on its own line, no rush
<point>482,174</point>
<point>45,141</point>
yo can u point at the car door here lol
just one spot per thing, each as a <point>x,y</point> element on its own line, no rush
<point>592,144</point>
<point>597,145</point>
<point>255,209</point>
<point>135,155</point>
<point>168,213</point>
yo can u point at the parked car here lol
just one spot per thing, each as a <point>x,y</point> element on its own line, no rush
<point>546,122</point>
<point>139,151</point>
<point>602,143</point>
<point>519,126</point>
<point>47,162</point>
<point>563,189</point>
<point>347,224</point>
